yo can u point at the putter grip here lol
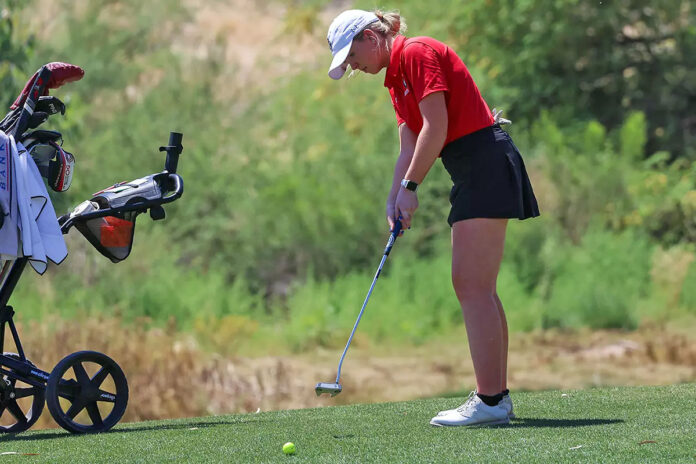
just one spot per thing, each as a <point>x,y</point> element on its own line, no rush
<point>392,238</point>
<point>397,228</point>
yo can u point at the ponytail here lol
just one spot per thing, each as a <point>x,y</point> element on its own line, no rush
<point>391,22</point>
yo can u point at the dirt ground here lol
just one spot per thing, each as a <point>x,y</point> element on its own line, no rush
<point>170,376</point>
<point>538,361</point>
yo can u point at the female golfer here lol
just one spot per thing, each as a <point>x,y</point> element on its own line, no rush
<point>440,112</point>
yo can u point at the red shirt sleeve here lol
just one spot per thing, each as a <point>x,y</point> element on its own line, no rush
<point>422,69</point>
<point>399,118</point>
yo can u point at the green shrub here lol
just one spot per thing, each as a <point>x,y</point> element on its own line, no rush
<point>600,281</point>
<point>633,136</point>
<point>522,307</point>
<point>688,293</point>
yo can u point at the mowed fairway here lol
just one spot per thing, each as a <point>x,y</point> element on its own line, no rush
<point>630,424</point>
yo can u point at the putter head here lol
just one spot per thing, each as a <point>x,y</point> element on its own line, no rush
<point>332,388</point>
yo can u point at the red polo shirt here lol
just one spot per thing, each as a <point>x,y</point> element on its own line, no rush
<point>420,66</point>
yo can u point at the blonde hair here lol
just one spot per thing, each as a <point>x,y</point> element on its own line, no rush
<point>390,23</point>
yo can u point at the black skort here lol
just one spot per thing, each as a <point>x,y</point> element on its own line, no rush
<point>490,180</point>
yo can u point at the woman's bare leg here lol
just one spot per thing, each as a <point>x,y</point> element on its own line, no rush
<point>477,250</point>
<point>503,320</point>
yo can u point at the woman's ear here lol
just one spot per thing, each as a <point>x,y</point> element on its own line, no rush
<point>371,36</point>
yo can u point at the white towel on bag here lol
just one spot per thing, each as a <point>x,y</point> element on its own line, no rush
<point>40,236</point>
<point>9,232</point>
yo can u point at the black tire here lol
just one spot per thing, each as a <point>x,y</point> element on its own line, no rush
<point>83,393</point>
<point>14,411</point>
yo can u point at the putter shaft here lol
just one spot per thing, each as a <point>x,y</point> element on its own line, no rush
<point>357,321</point>
<point>336,388</point>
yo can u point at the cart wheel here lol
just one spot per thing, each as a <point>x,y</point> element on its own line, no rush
<point>17,396</point>
<point>87,392</point>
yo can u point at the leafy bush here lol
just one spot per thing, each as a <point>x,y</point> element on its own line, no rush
<point>412,300</point>
<point>588,60</point>
<point>688,292</point>
<point>600,281</point>
<point>16,49</point>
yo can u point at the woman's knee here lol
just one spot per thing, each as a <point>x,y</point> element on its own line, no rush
<point>473,287</point>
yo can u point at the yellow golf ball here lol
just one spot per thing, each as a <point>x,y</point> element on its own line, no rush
<point>289,448</point>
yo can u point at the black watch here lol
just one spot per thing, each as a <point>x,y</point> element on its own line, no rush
<point>409,185</point>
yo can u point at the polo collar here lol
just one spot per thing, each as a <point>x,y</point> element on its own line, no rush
<point>394,69</point>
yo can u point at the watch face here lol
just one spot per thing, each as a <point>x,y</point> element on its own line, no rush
<point>409,185</point>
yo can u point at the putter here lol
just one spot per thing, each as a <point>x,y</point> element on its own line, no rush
<point>336,388</point>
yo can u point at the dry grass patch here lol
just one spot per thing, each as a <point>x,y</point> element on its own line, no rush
<point>170,376</point>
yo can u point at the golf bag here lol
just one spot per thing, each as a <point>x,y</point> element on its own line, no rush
<point>77,402</point>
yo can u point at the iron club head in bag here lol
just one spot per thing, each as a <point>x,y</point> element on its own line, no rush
<point>335,388</point>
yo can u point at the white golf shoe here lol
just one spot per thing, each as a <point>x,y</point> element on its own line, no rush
<point>473,412</point>
<point>506,402</point>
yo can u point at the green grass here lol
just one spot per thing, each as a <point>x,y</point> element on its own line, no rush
<point>636,424</point>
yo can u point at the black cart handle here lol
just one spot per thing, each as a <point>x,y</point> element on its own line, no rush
<point>173,149</point>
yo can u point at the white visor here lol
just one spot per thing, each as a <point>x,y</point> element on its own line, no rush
<point>337,70</point>
<point>341,33</point>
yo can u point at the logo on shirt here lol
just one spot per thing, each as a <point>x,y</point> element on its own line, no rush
<point>405,88</point>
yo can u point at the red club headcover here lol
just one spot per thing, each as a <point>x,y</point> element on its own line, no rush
<point>61,73</point>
